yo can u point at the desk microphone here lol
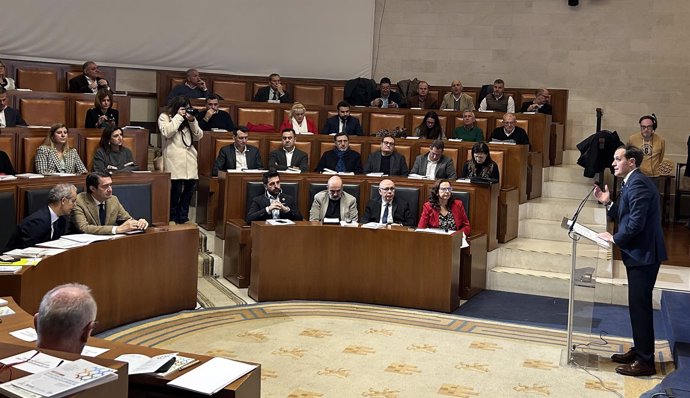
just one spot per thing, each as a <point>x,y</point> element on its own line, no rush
<point>579,208</point>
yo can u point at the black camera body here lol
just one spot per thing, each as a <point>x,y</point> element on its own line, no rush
<point>190,110</point>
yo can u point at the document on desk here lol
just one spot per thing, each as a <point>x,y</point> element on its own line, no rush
<point>89,351</point>
<point>444,232</point>
<point>210,377</point>
<point>26,334</point>
<point>61,243</point>
<point>87,238</point>
<point>32,361</point>
<point>34,252</point>
<point>140,364</point>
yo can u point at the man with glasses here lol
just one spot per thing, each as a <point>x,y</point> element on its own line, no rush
<point>238,155</point>
<point>273,204</point>
<point>387,209</point>
<point>540,104</point>
<point>214,118</point>
<point>435,165</point>
<point>274,92</point>
<point>651,143</point>
<point>510,131</point>
<point>341,159</point>
<point>387,160</point>
<point>334,203</point>
<point>288,156</point>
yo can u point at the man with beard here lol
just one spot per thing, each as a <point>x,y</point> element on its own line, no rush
<point>273,204</point>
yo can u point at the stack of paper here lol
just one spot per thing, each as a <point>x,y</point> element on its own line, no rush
<point>212,376</point>
<point>140,364</point>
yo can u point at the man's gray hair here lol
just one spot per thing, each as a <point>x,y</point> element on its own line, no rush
<point>65,311</point>
<point>59,192</point>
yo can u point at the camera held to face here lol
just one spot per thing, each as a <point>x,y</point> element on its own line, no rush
<point>191,111</point>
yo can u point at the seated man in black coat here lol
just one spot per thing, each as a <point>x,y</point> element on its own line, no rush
<point>274,92</point>
<point>214,118</point>
<point>193,87</point>
<point>48,222</point>
<point>341,159</point>
<point>387,209</point>
<point>343,122</point>
<point>90,82</point>
<point>387,161</point>
<point>540,103</point>
<point>298,160</point>
<point>510,131</point>
<point>11,116</point>
<point>273,204</point>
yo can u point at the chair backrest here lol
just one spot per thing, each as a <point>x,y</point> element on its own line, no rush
<point>337,94</point>
<point>418,119</point>
<point>309,94</point>
<point>176,81</point>
<point>404,150</point>
<point>8,217</point>
<point>524,97</point>
<point>136,198</point>
<point>316,187</point>
<point>327,146</point>
<point>34,199</point>
<point>311,115</point>
<point>388,121</point>
<point>91,145</point>
<point>7,146</point>
<point>230,90</point>
<point>408,194</point>
<point>465,198</point>
<point>43,112</point>
<point>256,116</point>
<point>37,79</point>
<point>69,75</point>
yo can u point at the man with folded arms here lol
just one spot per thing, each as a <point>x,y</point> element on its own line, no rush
<point>98,211</point>
<point>387,209</point>
<point>273,204</point>
<point>238,155</point>
<point>334,203</point>
<point>288,156</point>
<point>435,165</point>
<point>65,318</point>
<point>341,159</point>
<point>387,161</point>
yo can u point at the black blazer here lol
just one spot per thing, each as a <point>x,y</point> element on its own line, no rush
<point>92,115</point>
<point>226,159</point>
<point>401,212</point>
<point>13,118</point>
<point>6,164</point>
<point>329,160</point>
<point>352,126</point>
<point>257,210</point>
<point>546,108</point>
<point>36,229</point>
<point>220,120</point>
<point>278,160</point>
<point>79,84</point>
<point>262,95</point>
<point>398,164</point>
<point>393,96</point>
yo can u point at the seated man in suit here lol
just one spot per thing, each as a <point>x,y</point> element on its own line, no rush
<point>540,104</point>
<point>334,203</point>
<point>98,211</point>
<point>435,165</point>
<point>385,98</point>
<point>65,318</point>
<point>214,118</point>
<point>422,100</point>
<point>341,159</point>
<point>193,87</point>
<point>9,117</point>
<point>288,156</point>
<point>90,82</point>
<point>343,122</point>
<point>238,155</point>
<point>387,160</point>
<point>387,209</point>
<point>273,204</point>
<point>274,92</point>
<point>48,222</point>
<point>510,131</point>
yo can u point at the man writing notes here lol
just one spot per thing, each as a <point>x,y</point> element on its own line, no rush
<point>388,209</point>
<point>641,242</point>
<point>273,204</point>
<point>334,203</point>
<point>98,211</point>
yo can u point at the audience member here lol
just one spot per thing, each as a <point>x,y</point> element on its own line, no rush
<point>47,223</point>
<point>274,92</point>
<point>456,99</point>
<point>179,129</point>
<point>334,203</point>
<point>496,101</point>
<point>540,104</point>
<point>469,131</point>
<point>288,156</point>
<point>387,208</point>
<point>65,318</point>
<point>214,118</point>
<point>435,165</point>
<point>9,117</point>
<point>112,156</point>
<point>510,131</point>
<point>102,113</point>
<point>238,155</point>
<point>423,99</point>
<point>6,82</point>
<point>193,87</point>
<point>443,211</point>
<point>273,204</point>
<point>343,122</point>
<point>341,159</point>
<point>387,160</point>
<point>55,154</point>
<point>430,128</point>
<point>297,121</point>
<point>90,81</point>
<point>480,164</point>
<point>385,97</point>
<point>98,211</point>
<point>6,164</point>
<point>651,143</point>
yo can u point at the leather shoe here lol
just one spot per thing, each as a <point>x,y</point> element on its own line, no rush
<point>637,368</point>
<point>627,358</point>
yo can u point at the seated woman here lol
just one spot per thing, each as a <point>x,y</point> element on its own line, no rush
<point>111,156</point>
<point>297,121</point>
<point>55,155</point>
<point>5,81</point>
<point>430,127</point>
<point>5,165</point>
<point>481,164</point>
<point>469,130</point>
<point>102,113</point>
<point>443,211</point>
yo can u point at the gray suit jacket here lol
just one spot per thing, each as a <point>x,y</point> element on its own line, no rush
<point>348,207</point>
<point>444,169</point>
<point>398,164</point>
<point>277,160</point>
<point>85,215</point>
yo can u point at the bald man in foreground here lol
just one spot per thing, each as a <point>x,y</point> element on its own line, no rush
<point>334,203</point>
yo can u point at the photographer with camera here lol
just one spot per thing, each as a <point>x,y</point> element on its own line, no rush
<point>102,114</point>
<point>179,128</point>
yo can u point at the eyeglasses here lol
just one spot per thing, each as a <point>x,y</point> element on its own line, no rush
<point>388,189</point>
<point>389,143</point>
<point>448,189</point>
<point>647,127</point>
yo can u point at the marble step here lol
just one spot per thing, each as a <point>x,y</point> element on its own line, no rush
<point>566,173</point>
<point>548,256</point>
<point>550,230</point>
<point>570,157</point>
<point>556,208</point>
<point>566,190</point>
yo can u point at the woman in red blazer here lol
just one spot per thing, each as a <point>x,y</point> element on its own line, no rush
<point>443,211</point>
<point>297,121</point>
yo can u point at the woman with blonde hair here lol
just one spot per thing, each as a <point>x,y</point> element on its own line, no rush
<point>298,121</point>
<point>55,154</point>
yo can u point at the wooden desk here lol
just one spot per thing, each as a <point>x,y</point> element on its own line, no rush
<point>132,278</point>
<point>422,271</point>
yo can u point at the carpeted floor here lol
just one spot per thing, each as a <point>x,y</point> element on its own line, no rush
<point>316,349</point>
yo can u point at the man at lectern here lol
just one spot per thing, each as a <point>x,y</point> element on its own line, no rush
<point>641,242</point>
<point>273,204</point>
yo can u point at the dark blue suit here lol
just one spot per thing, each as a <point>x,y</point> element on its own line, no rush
<point>641,242</point>
<point>352,126</point>
<point>36,229</point>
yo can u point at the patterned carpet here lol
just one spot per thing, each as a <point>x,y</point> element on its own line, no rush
<point>316,349</point>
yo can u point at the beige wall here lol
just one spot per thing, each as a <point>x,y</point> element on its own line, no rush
<point>629,57</point>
